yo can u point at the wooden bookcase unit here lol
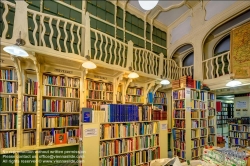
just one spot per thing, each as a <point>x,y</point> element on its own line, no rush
<point>239,135</point>
<point>139,146</point>
<point>134,95</point>
<point>191,122</point>
<point>98,92</point>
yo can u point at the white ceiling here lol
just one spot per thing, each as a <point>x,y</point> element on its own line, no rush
<point>168,17</point>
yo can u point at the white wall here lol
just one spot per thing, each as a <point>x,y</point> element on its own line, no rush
<point>242,113</point>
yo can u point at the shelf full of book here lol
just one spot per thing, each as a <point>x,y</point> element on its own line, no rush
<point>98,92</point>
<point>239,135</point>
<point>191,123</point>
<point>134,95</point>
<point>8,108</point>
<point>60,109</point>
<point>128,140</point>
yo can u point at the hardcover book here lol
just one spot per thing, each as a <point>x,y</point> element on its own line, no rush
<point>61,138</point>
<point>87,115</point>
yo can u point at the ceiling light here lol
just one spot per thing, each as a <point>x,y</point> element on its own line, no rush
<point>165,82</point>
<point>15,49</point>
<point>88,64</point>
<point>148,5</point>
<point>132,74</point>
<point>233,83</point>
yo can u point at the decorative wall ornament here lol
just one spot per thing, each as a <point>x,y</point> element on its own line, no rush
<point>240,48</point>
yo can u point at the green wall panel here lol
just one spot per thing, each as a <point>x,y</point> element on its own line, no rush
<point>62,156</point>
<point>7,159</point>
<point>27,158</point>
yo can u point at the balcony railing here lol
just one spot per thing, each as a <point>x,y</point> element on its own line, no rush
<point>49,34</point>
<point>217,66</point>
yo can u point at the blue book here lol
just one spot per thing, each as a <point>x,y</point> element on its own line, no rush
<point>87,115</point>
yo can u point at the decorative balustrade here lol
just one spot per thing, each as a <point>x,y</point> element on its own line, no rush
<point>52,34</point>
<point>216,66</point>
<point>107,49</point>
<point>57,33</point>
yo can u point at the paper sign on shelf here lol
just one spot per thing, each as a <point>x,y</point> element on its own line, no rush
<point>92,132</point>
<point>164,126</point>
<point>188,109</point>
<point>241,104</point>
<point>188,91</point>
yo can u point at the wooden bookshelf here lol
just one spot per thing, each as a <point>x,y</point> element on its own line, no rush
<point>9,108</point>
<point>98,92</point>
<point>212,125</point>
<point>119,98</point>
<point>191,122</point>
<point>139,146</point>
<point>60,105</point>
<point>134,95</point>
<point>29,108</point>
<point>239,135</point>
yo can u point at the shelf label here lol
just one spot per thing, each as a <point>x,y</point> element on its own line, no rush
<point>164,126</point>
<point>188,91</point>
<point>64,71</point>
<point>188,109</point>
<point>92,132</point>
<point>100,77</point>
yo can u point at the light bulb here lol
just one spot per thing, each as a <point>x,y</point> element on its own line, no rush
<point>15,50</point>
<point>133,75</point>
<point>89,65</point>
<point>233,83</point>
<point>147,4</point>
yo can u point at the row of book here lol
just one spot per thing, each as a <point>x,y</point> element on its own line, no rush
<point>179,104</point>
<point>195,104</point>
<point>61,91</point>
<point>29,138</point>
<point>211,130</point>
<point>145,142</point>
<point>29,104</point>
<point>180,94</point>
<point>203,114</point>
<point>239,135</point>
<point>186,81</point>
<point>8,121</point>
<point>61,81</point>
<point>99,95</point>
<point>211,111</point>
<point>118,160</point>
<point>178,144</point>
<point>95,105</point>
<point>194,114</point>
<point>29,121</point>
<point>50,105</point>
<point>95,85</point>
<point>109,148</point>
<point>179,134</point>
<point>8,139</point>
<point>194,143</point>
<point>235,127</point>
<point>134,91</point>
<point>8,87</point>
<point>203,132</point>
<point>193,134</point>
<point>180,153</point>
<point>160,94</point>
<point>8,103</point>
<point>211,122</point>
<point>119,130</point>
<point>194,124</point>
<point>8,74</point>
<point>180,114</point>
<point>210,104</point>
<point>210,96</point>
<point>179,123</point>
<point>203,123</point>
<point>159,115</point>
<point>31,87</point>
<point>160,100</point>
<point>202,141</point>
<point>134,99</point>
<point>211,138</point>
<point>59,136</point>
<point>146,155</point>
<point>55,120</point>
<point>239,142</point>
<point>195,95</point>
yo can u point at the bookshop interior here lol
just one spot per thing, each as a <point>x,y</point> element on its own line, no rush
<point>125,83</point>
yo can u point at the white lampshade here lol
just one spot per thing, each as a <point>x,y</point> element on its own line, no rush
<point>15,50</point>
<point>165,82</point>
<point>147,4</point>
<point>233,83</point>
<point>89,65</point>
<point>133,75</point>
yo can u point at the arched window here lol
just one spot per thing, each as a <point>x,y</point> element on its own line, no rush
<point>188,60</point>
<point>222,46</point>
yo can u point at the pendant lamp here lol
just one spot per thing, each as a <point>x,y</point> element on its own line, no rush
<point>16,49</point>
<point>147,4</point>
<point>88,64</point>
<point>233,83</point>
<point>164,81</point>
<point>132,74</point>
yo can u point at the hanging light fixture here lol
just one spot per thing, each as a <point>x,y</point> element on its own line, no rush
<point>16,49</point>
<point>132,74</point>
<point>164,81</point>
<point>88,64</point>
<point>233,83</point>
<point>147,4</point>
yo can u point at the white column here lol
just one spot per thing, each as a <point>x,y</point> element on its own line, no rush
<point>198,56</point>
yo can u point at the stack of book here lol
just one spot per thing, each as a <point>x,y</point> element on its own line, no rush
<point>186,81</point>
<point>176,84</point>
